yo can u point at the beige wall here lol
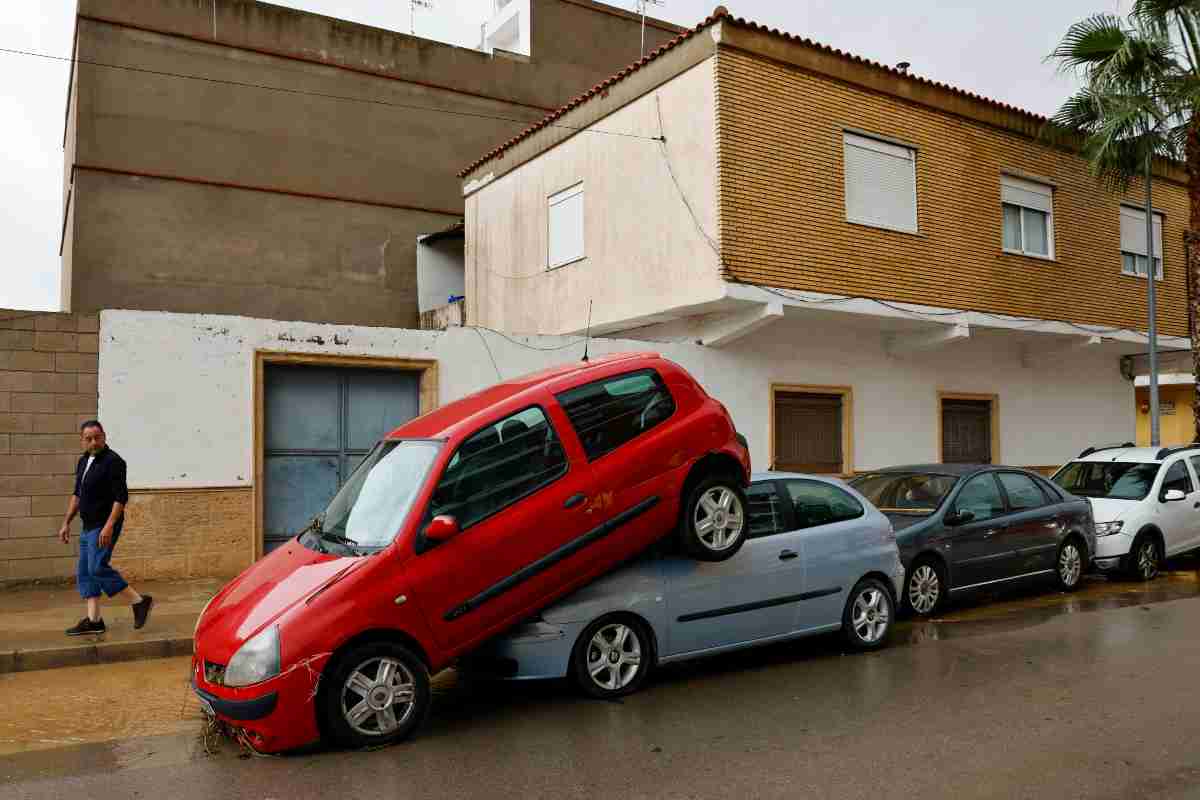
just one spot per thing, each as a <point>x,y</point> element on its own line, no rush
<point>187,533</point>
<point>48,368</point>
<point>643,252</point>
<point>198,195</point>
<point>783,220</point>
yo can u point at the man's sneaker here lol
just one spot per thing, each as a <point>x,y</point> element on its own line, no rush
<point>141,611</point>
<point>86,626</point>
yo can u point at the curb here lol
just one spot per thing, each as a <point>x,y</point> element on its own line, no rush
<point>98,653</point>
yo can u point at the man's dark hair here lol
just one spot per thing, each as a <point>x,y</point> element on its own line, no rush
<point>91,423</point>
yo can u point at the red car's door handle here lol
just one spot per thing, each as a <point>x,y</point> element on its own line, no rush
<point>574,500</point>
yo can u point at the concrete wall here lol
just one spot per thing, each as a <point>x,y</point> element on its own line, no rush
<point>176,393</point>
<point>48,367</point>
<point>643,252</point>
<point>215,196</point>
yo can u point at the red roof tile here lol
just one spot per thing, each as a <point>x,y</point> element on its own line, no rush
<point>721,13</point>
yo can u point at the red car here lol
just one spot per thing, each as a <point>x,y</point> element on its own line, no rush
<point>457,526</point>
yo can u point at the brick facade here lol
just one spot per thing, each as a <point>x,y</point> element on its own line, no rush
<point>48,367</point>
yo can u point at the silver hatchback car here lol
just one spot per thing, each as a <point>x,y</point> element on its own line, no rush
<point>818,558</point>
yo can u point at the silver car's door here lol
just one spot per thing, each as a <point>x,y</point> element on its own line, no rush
<point>747,597</point>
<point>841,541</point>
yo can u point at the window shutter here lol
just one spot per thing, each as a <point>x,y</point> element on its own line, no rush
<point>1026,194</point>
<point>881,183</point>
<point>566,226</point>
<point>1133,231</point>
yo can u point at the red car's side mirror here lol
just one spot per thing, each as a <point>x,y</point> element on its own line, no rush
<point>441,528</point>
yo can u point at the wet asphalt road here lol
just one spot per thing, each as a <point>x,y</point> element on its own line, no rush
<point>1026,694</point>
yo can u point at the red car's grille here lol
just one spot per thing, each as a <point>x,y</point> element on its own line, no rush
<point>214,673</point>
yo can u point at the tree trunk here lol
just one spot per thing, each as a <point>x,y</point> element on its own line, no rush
<point>1192,246</point>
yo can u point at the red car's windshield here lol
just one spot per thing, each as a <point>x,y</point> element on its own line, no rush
<point>371,507</point>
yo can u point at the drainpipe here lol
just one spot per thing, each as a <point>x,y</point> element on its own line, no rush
<point>1150,306</point>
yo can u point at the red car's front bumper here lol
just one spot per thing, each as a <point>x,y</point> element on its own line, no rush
<point>275,715</point>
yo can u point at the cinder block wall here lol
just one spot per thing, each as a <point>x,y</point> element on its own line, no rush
<point>48,366</point>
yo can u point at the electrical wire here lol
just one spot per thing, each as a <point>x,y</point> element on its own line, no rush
<point>323,95</point>
<point>488,348</point>
<point>529,346</point>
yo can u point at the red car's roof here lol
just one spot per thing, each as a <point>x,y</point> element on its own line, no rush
<point>441,422</point>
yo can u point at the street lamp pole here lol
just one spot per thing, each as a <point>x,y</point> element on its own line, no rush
<point>1152,330</point>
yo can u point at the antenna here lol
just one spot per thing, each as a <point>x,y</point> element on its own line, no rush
<point>412,6</point>
<point>587,339</point>
<point>641,7</point>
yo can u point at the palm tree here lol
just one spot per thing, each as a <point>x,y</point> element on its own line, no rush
<point>1139,100</point>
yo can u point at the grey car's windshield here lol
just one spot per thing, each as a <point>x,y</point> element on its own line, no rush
<point>1115,480</point>
<point>370,508</point>
<point>905,492</point>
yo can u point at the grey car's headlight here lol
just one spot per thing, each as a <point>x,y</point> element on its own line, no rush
<point>256,660</point>
<point>1108,528</point>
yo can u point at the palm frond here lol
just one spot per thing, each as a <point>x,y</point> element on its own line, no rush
<point>1090,41</point>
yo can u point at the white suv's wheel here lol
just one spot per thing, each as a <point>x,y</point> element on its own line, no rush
<point>1144,558</point>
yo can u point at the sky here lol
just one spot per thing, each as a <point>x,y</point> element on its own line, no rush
<point>993,49</point>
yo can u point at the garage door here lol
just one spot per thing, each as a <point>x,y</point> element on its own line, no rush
<point>808,432</point>
<point>319,423</point>
<point>966,431</point>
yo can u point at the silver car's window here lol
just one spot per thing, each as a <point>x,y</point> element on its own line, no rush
<point>815,503</point>
<point>766,510</point>
<point>981,496</point>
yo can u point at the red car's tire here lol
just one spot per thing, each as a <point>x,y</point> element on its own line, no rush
<point>375,694</point>
<point>715,519</point>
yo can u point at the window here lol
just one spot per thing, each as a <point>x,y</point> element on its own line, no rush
<point>1177,478</point>
<point>981,496</point>
<point>906,492</point>
<point>816,503</point>
<point>499,465</point>
<point>881,183</point>
<point>608,413</point>
<point>1023,493</point>
<point>766,510</point>
<point>811,429</point>
<point>1133,242</point>
<point>1118,480</point>
<point>1028,211</point>
<point>968,430</point>
<point>565,234</point>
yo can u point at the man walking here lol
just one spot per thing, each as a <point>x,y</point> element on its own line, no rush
<point>99,499</point>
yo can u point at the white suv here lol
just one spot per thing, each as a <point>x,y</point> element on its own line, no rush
<point>1146,502</point>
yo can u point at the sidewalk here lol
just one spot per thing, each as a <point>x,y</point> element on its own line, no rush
<point>34,618</point>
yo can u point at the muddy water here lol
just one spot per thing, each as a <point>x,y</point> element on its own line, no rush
<point>145,712</point>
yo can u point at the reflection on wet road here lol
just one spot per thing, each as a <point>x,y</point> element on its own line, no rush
<point>140,717</point>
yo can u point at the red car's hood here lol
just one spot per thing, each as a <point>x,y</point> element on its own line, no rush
<point>262,593</point>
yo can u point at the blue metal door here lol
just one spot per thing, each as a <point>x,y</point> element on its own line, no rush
<point>320,422</point>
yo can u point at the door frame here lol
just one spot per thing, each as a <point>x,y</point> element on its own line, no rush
<point>994,422</point>
<point>847,395</point>
<point>427,370</point>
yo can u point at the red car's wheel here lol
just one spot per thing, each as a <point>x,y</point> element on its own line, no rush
<point>714,520</point>
<point>377,693</point>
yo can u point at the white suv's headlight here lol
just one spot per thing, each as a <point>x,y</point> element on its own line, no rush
<point>1108,528</point>
<point>256,660</point>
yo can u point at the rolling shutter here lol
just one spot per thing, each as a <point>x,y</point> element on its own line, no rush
<point>881,183</point>
<point>1026,194</point>
<point>808,433</point>
<point>1133,231</point>
<point>566,226</point>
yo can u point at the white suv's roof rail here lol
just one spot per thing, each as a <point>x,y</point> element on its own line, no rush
<point>1170,451</point>
<point>1091,450</point>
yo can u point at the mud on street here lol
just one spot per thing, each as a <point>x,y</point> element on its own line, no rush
<point>1025,693</point>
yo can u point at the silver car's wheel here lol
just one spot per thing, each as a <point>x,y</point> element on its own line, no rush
<point>1070,565</point>
<point>1146,559</point>
<point>868,615</point>
<point>378,696</point>
<point>871,616</point>
<point>612,656</point>
<point>924,588</point>
<point>719,519</point>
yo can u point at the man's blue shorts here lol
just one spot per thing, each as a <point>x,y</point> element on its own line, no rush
<point>94,575</point>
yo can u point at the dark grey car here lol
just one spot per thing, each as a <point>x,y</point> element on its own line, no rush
<point>962,526</point>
